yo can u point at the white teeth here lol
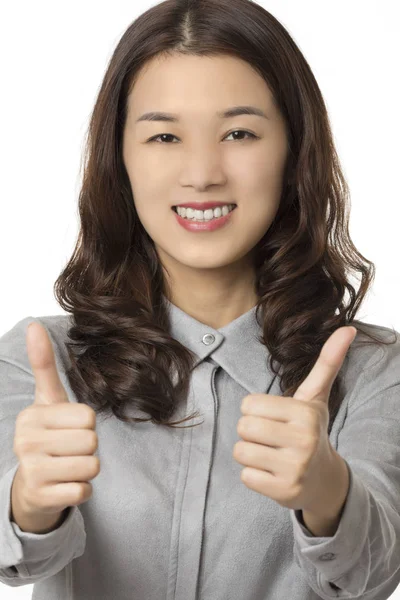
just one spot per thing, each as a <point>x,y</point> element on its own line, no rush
<point>204,215</point>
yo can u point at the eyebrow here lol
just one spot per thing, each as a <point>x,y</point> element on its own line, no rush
<point>234,111</point>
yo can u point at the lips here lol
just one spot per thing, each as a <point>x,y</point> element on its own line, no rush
<point>203,205</point>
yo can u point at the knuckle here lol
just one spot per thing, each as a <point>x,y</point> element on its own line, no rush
<point>93,441</point>
<point>25,445</point>
<point>242,425</point>
<point>79,493</point>
<point>25,416</point>
<point>16,445</point>
<point>89,413</point>
<point>95,464</point>
<point>237,450</point>
<point>85,492</point>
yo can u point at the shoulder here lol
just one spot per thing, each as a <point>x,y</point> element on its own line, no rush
<point>367,353</point>
<point>372,369</point>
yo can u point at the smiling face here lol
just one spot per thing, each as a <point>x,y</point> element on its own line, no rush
<point>204,158</point>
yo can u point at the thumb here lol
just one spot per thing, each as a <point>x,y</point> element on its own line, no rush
<point>49,389</point>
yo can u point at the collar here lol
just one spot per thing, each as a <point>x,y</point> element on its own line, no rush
<point>235,347</point>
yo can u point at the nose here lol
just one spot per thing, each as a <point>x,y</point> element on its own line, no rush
<point>201,168</point>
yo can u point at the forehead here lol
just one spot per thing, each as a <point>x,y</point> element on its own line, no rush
<point>179,83</point>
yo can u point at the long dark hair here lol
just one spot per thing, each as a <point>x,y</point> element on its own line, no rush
<point>121,350</point>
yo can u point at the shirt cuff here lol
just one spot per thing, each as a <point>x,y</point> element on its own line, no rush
<point>21,546</point>
<point>333,556</point>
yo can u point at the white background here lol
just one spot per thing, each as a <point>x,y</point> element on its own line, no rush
<point>53,58</point>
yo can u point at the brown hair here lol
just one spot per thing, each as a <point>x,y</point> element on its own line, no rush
<point>121,351</point>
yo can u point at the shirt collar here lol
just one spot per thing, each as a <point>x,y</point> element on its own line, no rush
<point>234,347</point>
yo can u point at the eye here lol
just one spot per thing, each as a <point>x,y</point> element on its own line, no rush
<point>155,138</point>
<point>243,131</point>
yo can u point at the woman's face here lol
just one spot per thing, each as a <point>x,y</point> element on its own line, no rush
<point>202,159</point>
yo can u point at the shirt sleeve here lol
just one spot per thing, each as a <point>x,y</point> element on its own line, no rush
<point>362,559</point>
<point>26,558</point>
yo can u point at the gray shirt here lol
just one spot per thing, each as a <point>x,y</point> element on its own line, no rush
<point>170,518</point>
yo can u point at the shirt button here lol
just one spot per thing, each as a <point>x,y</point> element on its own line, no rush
<point>208,339</point>
<point>327,556</point>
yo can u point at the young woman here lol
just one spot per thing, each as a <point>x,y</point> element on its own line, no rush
<point>208,281</point>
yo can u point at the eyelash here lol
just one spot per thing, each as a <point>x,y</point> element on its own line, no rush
<point>252,135</point>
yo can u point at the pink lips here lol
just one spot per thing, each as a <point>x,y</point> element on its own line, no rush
<point>212,225</point>
<point>204,205</point>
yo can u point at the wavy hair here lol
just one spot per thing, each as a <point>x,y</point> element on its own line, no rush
<point>120,347</point>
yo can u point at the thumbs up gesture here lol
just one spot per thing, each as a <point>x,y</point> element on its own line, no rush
<point>286,447</point>
<point>54,439</point>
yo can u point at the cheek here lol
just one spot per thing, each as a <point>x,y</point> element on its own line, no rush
<point>263,185</point>
<point>152,217</point>
<point>256,218</point>
<point>258,221</point>
<point>260,173</point>
<point>259,193</point>
<point>140,171</point>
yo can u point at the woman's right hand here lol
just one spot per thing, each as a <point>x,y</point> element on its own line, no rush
<point>54,439</point>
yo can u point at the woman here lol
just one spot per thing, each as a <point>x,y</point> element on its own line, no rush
<point>207,274</point>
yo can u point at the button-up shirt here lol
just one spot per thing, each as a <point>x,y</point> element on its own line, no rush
<point>170,518</point>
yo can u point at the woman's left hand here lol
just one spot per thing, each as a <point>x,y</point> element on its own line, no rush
<point>286,447</point>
